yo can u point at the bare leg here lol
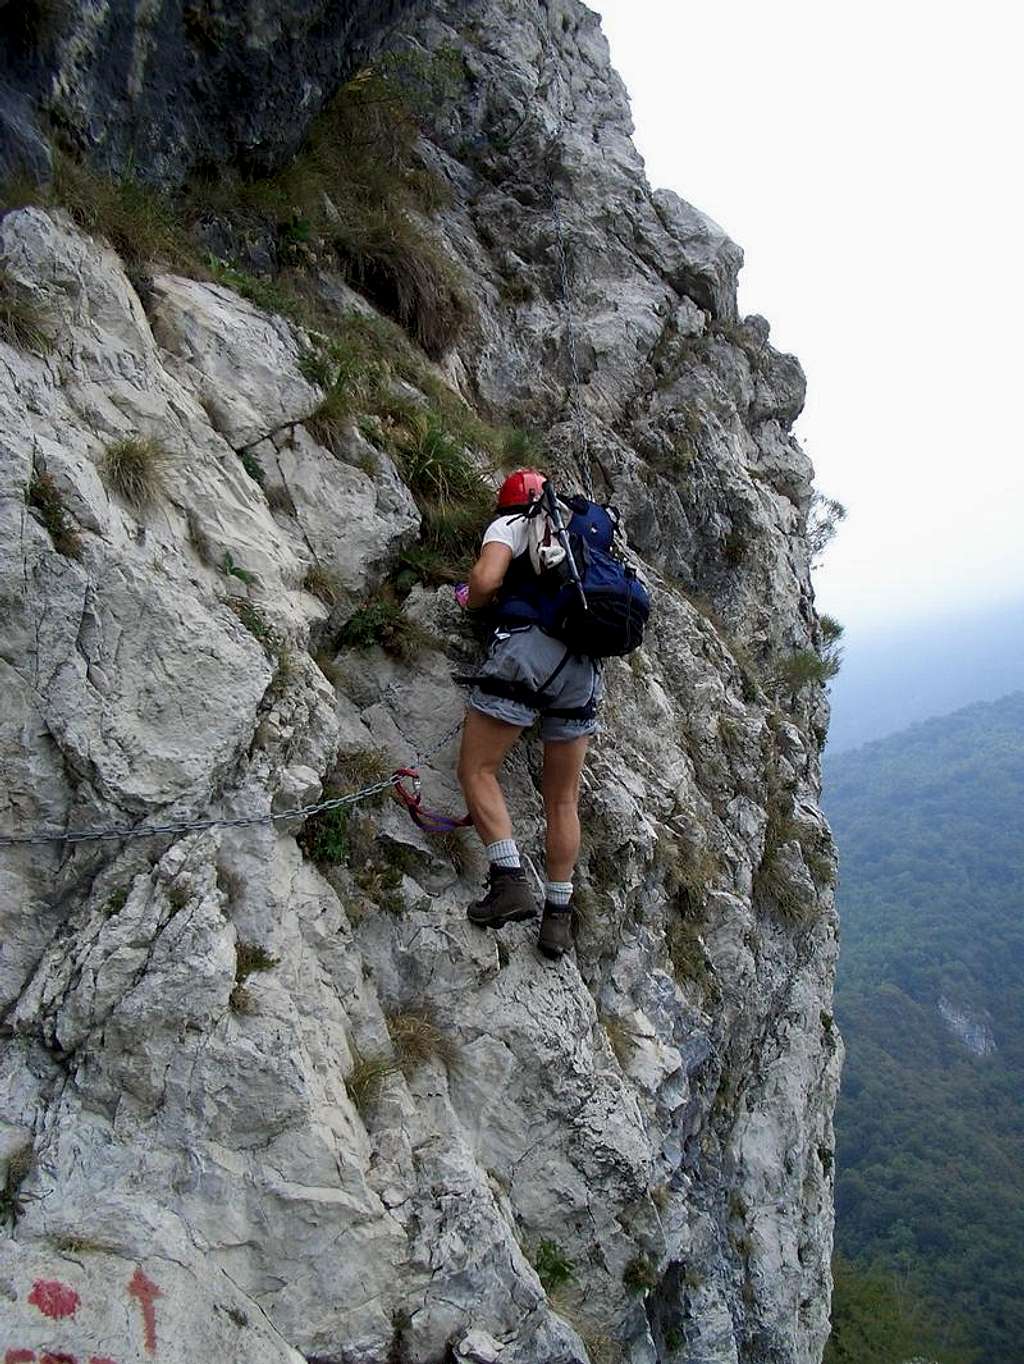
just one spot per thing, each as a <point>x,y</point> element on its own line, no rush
<point>563,763</point>
<point>485,742</point>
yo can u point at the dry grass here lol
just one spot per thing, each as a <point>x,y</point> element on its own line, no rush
<point>383,887</point>
<point>390,259</point>
<point>595,1332</point>
<point>367,1076</point>
<point>322,584</point>
<point>20,1165</point>
<point>417,1039</point>
<point>23,323</point>
<point>640,1275</point>
<point>241,1000</point>
<point>134,469</point>
<point>141,224</point>
<point>688,956</point>
<point>359,767</point>
<point>690,870</point>
<point>458,849</point>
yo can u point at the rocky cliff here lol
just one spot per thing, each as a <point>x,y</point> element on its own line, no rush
<point>267,1095</point>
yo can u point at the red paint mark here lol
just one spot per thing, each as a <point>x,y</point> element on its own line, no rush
<point>58,1359</point>
<point>19,1356</point>
<point>147,1292</point>
<point>53,1299</point>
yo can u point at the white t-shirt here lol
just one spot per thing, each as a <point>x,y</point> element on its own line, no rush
<point>513,531</point>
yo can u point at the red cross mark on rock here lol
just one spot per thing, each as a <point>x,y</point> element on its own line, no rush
<point>21,1356</point>
<point>147,1292</point>
<point>53,1298</point>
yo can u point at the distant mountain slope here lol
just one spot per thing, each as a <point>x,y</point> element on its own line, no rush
<point>930,827</point>
<point>896,676</point>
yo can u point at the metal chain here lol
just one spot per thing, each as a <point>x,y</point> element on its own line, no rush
<point>184,826</point>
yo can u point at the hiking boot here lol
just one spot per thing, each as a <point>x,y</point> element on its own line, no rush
<point>508,899</point>
<point>555,930</point>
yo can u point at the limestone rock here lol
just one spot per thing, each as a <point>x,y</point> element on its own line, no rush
<point>272,1072</point>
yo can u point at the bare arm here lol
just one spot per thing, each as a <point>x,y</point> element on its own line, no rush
<point>487,574</point>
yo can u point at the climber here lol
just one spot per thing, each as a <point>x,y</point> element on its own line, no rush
<point>528,674</point>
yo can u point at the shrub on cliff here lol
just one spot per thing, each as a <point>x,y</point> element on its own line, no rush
<point>45,497</point>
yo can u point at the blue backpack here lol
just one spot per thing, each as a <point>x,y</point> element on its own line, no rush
<point>618,604</point>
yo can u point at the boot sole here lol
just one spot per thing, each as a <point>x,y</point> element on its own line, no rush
<point>499,921</point>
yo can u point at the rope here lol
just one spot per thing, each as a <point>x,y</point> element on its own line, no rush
<point>430,821</point>
<point>246,821</point>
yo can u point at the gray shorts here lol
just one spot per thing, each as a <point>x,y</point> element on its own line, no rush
<point>524,656</point>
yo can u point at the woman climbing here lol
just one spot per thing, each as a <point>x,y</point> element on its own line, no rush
<point>530,673</point>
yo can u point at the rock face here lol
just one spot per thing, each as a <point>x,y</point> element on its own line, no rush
<point>172,88</point>
<point>972,1027</point>
<point>268,1106</point>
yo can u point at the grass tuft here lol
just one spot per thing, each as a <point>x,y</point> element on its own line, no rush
<point>134,470</point>
<point>325,836</point>
<point>45,497</point>
<point>554,1268</point>
<point>359,767</point>
<point>252,466</point>
<point>383,886</point>
<point>23,323</point>
<point>20,1165</point>
<point>366,1078</point>
<point>141,223</point>
<point>417,1039</point>
<point>390,259</point>
<point>601,1346</point>
<point>255,622</point>
<point>322,584</point>
<point>241,1000</point>
<point>806,668</point>
<point>383,622</point>
<point>640,1275</point>
<point>250,957</point>
<point>232,570</point>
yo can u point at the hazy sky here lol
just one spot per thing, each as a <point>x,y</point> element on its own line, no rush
<point>867,159</point>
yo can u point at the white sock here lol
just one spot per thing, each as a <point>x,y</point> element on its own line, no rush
<point>503,853</point>
<point>558,892</point>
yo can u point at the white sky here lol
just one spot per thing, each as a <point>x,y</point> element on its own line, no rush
<point>868,160</point>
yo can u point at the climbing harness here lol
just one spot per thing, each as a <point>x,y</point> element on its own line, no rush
<point>247,821</point>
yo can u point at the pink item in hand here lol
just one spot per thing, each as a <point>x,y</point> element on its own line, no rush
<point>462,594</point>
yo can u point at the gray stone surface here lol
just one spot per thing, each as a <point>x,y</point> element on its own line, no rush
<point>654,1112</point>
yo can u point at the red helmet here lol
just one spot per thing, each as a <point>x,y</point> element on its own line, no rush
<point>521,488</point>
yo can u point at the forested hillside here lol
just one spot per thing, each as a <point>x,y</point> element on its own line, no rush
<point>930,826</point>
